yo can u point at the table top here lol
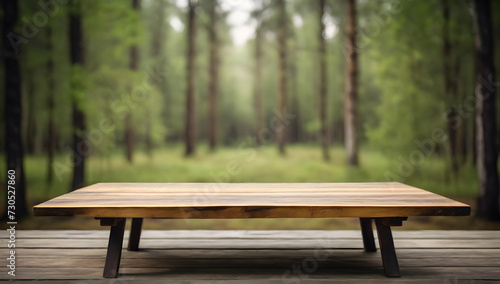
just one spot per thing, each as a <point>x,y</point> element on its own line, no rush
<point>250,200</point>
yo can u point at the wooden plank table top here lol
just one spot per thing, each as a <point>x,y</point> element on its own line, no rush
<point>250,200</point>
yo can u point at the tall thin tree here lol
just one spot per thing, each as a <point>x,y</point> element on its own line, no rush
<point>258,56</point>
<point>133,66</point>
<point>449,92</point>
<point>13,110</point>
<point>322,82</point>
<point>282,79</point>
<point>213,87</point>
<point>158,55</point>
<point>51,141</point>
<point>294,132</point>
<point>80,147</point>
<point>351,80</point>
<point>190,95</point>
<point>486,148</point>
<point>31,122</point>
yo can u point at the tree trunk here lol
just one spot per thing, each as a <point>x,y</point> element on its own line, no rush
<point>214,77</point>
<point>13,111</point>
<point>350,101</point>
<point>80,147</point>
<point>134,49</point>
<point>322,83</point>
<point>190,100</point>
<point>461,127</point>
<point>282,36</point>
<point>449,94</point>
<point>133,66</point>
<point>157,53</point>
<point>471,140</point>
<point>51,141</point>
<point>158,37</point>
<point>487,155</point>
<point>294,104</point>
<point>31,123</point>
<point>259,110</point>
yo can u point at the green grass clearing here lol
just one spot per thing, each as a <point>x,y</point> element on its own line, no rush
<point>302,163</point>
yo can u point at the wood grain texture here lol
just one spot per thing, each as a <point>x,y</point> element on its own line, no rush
<point>250,200</point>
<point>256,235</point>
<point>305,243</point>
<point>441,262</point>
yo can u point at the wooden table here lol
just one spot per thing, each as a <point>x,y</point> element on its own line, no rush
<point>387,203</point>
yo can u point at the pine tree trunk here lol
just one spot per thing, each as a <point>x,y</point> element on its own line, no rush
<point>80,148</point>
<point>133,66</point>
<point>487,155</point>
<point>322,83</point>
<point>294,104</point>
<point>158,54</point>
<point>259,110</point>
<point>350,101</point>
<point>13,110</point>
<point>51,141</point>
<point>471,141</point>
<point>158,37</point>
<point>282,36</point>
<point>31,123</point>
<point>214,77</point>
<point>449,94</point>
<point>190,100</point>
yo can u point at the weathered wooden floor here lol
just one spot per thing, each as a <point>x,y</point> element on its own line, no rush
<point>256,257</point>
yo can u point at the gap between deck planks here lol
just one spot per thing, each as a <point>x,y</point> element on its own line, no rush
<point>201,255</point>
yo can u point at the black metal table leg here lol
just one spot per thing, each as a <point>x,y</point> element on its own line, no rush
<point>115,244</point>
<point>367,233</point>
<point>135,234</point>
<point>389,258</point>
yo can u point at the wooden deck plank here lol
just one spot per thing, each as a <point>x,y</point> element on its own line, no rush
<point>466,259</point>
<point>253,253</point>
<point>252,234</point>
<point>261,244</point>
<point>169,262</point>
<point>250,200</point>
<point>259,274</point>
<point>138,280</point>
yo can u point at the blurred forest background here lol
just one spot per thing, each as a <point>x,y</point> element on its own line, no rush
<point>251,91</point>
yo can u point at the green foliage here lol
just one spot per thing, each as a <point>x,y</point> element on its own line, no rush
<point>400,86</point>
<point>402,66</point>
<point>400,89</point>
